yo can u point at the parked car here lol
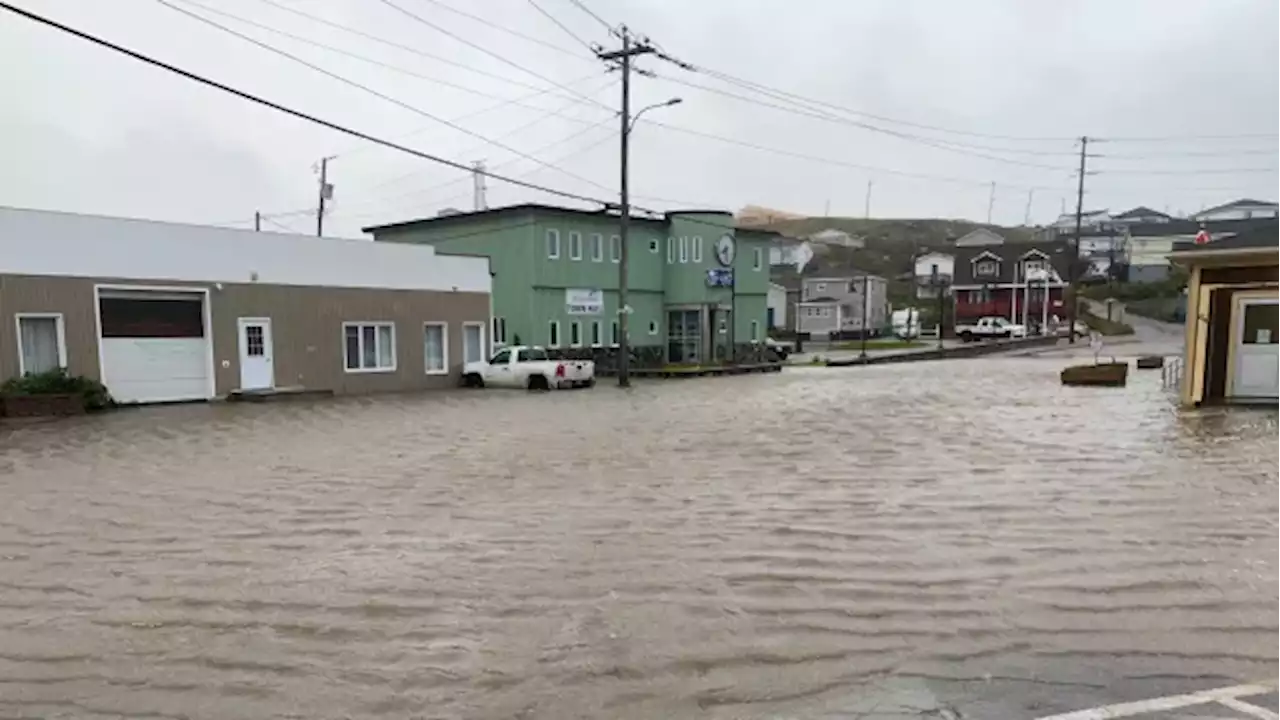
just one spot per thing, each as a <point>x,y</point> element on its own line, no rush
<point>531,368</point>
<point>781,349</point>
<point>1081,330</point>
<point>990,327</point>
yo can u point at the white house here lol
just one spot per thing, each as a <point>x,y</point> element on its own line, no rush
<point>776,304</point>
<point>939,264</point>
<point>1244,209</point>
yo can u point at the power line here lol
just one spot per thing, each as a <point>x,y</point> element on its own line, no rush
<point>562,26</point>
<point>1205,153</point>
<point>509,31</point>
<point>1187,138</point>
<point>388,43</point>
<point>258,100</point>
<point>486,51</point>
<point>582,6</point>
<point>383,96</point>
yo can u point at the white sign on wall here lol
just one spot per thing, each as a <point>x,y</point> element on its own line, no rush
<point>579,301</point>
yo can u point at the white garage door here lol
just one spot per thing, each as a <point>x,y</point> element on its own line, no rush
<point>155,346</point>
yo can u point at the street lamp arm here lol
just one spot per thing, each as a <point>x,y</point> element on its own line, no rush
<point>642,111</point>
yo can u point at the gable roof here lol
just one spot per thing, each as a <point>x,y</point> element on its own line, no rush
<point>1242,202</point>
<point>986,254</point>
<point>979,237</point>
<point>1142,211</point>
<point>1059,254</point>
<point>1258,239</point>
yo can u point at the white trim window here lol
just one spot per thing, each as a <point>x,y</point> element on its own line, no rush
<point>757,259</point>
<point>613,333</point>
<point>684,249</point>
<point>575,245</point>
<point>655,245</point>
<point>435,347</point>
<point>42,342</point>
<point>696,253</point>
<point>671,251</point>
<point>597,247</point>
<point>553,334</point>
<point>575,334</point>
<point>615,248</point>
<point>553,243</point>
<point>653,327</point>
<point>597,331</point>
<point>473,342</point>
<point>369,347</point>
<point>986,268</point>
<point>755,331</point>
<point>499,331</point>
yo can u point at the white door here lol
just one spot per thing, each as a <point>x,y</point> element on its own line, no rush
<point>472,342</point>
<point>257,370</point>
<point>1257,351</point>
<point>500,374</point>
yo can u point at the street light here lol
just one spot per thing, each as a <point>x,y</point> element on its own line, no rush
<point>624,220</point>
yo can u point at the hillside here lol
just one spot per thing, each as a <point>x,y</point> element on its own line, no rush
<point>891,245</point>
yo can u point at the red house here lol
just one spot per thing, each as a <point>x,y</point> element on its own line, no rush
<point>1017,281</point>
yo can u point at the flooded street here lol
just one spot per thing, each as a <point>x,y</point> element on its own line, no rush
<point>816,544</point>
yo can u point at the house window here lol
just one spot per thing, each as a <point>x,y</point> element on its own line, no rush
<point>755,331</point>
<point>653,327</point>
<point>42,344</point>
<point>654,245</point>
<point>553,333</point>
<point>553,244</point>
<point>697,248</point>
<point>615,249</point>
<point>597,247</point>
<point>613,333</point>
<point>820,287</point>
<point>1031,266</point>
<point>472,342</point>
<point>684,249</point>
<point>499,332</point>
<point>671,250</point>
<point>370,347</point>
<point>985,267</point>
<point>575,245</point>
<point>757,259</point>
<point>575,334</point>
<point>595,333</point>
<point>436,348</point>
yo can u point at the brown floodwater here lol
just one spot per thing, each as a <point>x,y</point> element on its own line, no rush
<point>819,543</point>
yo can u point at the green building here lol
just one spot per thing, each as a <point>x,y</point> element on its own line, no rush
<point>697,284</point>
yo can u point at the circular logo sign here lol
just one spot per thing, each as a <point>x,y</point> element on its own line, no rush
<point>726,250</point>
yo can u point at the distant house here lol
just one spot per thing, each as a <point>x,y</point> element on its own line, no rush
<point>1091,221</point>
<point>837,238</point>
<point>1244,209</point>
<point>1141,214</point>
<point>933,265</point>
<point>1147,245</point>
<point>981,237</point>
<point>833,306</point>
<point>993,280</point>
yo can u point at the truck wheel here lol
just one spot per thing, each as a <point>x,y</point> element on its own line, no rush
<point>472,380</point>
<point>966,337</point>
<point>538,382</point>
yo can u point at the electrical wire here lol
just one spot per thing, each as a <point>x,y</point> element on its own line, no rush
<point>383,96</point>
<point>582,6</point>
<point>562,26</point>
<point>509,31</point>
<point>278,107</point>
<point>497,56</point>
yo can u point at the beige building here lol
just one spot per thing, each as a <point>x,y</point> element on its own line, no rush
<point>1232,349</point>
<point>163,312</point>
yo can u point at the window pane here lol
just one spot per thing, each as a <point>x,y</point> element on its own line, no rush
<point>595,333</point>
<point>553,243</point>
<point>39,344</point>
<point>613,333</point>
<point>434,349</point>
<point>615,248</point>
<point>353,347</point>
<point>1260,324</point>
<point>575,333</point>
<point>156,318</point>
<point>554,333</point>
<point>368,347</point>
<point>386,347</point>
<point>471,343</point>
<point>597,247</point>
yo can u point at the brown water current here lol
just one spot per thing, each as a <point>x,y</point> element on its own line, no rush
<point>754,547</point>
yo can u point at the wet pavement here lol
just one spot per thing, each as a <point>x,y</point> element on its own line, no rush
<point>959,539</point>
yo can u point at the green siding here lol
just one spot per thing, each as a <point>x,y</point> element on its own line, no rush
<point>529,287</point>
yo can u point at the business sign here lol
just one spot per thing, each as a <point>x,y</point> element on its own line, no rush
<point>579,301</point>
<point>719,277</point>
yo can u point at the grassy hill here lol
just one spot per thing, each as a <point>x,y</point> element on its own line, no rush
<point>891,246</point>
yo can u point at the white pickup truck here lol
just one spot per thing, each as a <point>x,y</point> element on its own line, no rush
<point>990,327</point>
<point>528,367</point>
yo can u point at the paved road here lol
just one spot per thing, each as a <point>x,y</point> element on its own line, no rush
<point>936,540</point>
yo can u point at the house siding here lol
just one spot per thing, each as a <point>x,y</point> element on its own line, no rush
<point>306,323</point>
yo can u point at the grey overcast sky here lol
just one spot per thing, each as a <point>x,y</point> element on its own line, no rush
<point>1003,87</point>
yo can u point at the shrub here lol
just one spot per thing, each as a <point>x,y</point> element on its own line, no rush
<point>1103,325</point>
<point>58,382</point>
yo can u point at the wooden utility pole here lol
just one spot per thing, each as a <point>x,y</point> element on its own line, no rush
<point>326,192</point>
<point>623,58</point>
<point>1075,244</point>
<point>257,221</point>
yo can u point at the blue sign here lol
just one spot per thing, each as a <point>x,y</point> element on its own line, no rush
<point>719,277</point>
